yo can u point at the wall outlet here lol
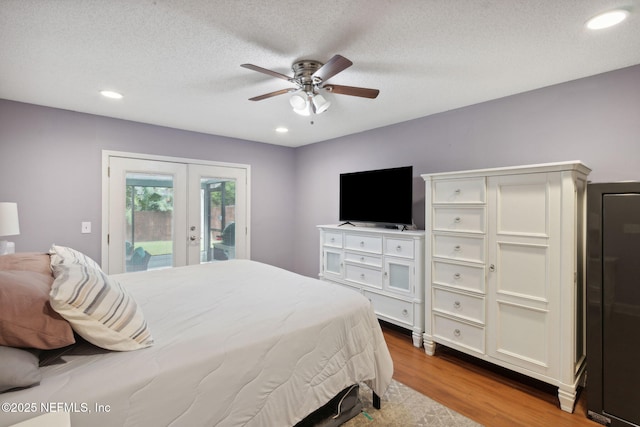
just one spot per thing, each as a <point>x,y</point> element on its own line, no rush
<point>86,227</point>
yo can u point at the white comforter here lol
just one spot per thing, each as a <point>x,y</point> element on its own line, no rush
<point>236,343</point>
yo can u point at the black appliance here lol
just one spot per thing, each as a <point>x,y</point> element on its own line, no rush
<point>613,303</point>
<point>383,196</point>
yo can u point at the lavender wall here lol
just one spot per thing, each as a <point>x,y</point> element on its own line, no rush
<point>50,164</point>
<point>595,120</point>
<point>50,160</point>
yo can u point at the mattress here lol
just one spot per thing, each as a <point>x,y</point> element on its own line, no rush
<point>236,343</point>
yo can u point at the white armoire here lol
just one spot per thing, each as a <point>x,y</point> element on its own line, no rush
<point>505,269</point>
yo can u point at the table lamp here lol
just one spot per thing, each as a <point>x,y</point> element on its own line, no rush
<point>8,226</point>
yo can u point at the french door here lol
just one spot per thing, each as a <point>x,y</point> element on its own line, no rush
<point>166,212</point>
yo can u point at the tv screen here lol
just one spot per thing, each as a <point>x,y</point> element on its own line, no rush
<point>383,196</point>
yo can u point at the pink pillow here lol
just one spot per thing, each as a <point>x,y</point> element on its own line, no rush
<point>27,261</point>
<point>26,316</point>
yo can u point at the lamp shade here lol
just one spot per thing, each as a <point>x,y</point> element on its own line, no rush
<point>320,104</point>
<point>9,225</point>
<point>300,103</point>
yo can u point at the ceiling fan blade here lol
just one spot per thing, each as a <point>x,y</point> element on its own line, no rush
<point>268,72</point>
<point>332,67</point>
<point>270,94</point>
<point>353,91</point>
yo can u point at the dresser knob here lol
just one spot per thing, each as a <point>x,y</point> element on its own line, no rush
<point>492,268</point>
<point>457,305</point>
<point>362,244</point>
<point>457,220</point>
<point>457,276</point>
<point>362,259</point>
<point>457,248</point>
<point>333,239</point>
<point>405,312</point>
<point>362,275</point>
<point>456,332</point>
<point>399,248</point>
<point>458,191</point>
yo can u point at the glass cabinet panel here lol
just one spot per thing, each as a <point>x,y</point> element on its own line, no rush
<point>399,275</point>
<point>333,262</point>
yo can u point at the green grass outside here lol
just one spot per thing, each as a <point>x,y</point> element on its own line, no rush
<point>160,247</point>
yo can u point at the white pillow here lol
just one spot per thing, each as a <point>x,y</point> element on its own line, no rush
<point>98,308</point>
<point>65,255</point>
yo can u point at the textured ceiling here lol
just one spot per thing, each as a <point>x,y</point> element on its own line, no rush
<point>178,62</point>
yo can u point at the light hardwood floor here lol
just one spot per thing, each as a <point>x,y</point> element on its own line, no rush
<point>487,394</point>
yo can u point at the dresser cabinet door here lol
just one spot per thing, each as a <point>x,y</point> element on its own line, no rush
<point>399,276</point>
<point>333,264</point>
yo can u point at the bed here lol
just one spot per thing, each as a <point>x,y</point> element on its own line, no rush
<point>230,343</point>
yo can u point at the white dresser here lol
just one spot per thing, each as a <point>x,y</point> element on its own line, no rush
<point>505,269</point>
<point>384,265</point>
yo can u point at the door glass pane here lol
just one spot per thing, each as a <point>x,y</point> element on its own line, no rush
<point>333,262</point>
<point>399,276</point>
<point>149,219</point>
<point>218,219</point>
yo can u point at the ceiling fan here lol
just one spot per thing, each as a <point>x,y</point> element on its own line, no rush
<point>310,78</point>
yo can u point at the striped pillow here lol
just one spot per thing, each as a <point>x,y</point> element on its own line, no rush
<point>65,255</point>
<point>98,308</point>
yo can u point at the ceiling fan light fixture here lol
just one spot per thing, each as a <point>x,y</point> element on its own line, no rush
<point>310,77</point>
<point>298,101</point>
<point>607,19</point>
<point>320,104</point>
<point>306,111</point>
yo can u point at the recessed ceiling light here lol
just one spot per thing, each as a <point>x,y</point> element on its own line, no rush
<point>607,19</point>
<point>282,129</point>
<point>111,94</point>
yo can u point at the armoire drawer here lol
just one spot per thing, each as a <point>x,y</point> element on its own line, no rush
<point>459,275</point>
<point>362,243</point>
<point>471,190</point>
<point>460,333</point>
<point>391,308</point>
<point>465,248</point>
<point>459,304</point>
<point>463,219</point>
<point>364,275</point>
<point>399,247</point>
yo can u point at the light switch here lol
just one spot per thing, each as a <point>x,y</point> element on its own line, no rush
<point>86,227</point>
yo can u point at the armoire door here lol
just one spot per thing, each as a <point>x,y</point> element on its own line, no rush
<point>522,267</point>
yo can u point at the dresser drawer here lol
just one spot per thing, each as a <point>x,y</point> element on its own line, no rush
<point>460,333</point>
<point>465,248</point>
<point>372,260</point>
<point>358,242</point>
<point>459,304</point>
<point>459,276</point>
<point>332,239</point>
<point>463,219</point>
<point>391,308</point>
<point>399,247</point>
<point>470,190</point>
<point>363,275</point>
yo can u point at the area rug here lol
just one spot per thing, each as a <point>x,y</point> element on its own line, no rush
<point>404,407</point>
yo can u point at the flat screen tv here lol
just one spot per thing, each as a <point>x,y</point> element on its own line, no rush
<point>383,196</point>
